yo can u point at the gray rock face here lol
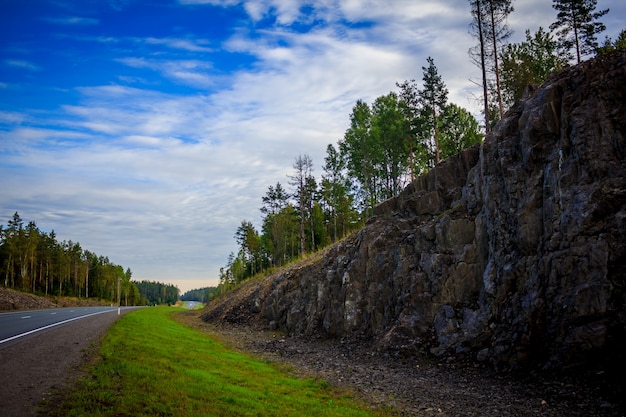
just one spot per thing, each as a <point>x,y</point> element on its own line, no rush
<point>511,253</point>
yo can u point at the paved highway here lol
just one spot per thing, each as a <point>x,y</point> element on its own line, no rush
<point>16,324</point>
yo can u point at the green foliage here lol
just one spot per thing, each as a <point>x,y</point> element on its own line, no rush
<point>529,62</point>
<point>576,26</point>
<point>151,365</point>
<point>202,295</point>
<point>609,45</point>
<point>387,143</point>
<point>459,130</point>
<point>376,150</point>
<point>157,293</point>
<point>433,99</point>
<point>34,261</point>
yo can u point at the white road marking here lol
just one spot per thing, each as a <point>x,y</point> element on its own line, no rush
<point>51,325</point>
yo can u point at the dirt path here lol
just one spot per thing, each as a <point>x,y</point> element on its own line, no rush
<point>47,363</point>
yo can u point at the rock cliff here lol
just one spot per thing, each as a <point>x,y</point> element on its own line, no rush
<point>512,253</point>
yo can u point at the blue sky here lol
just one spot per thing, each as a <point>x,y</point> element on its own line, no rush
<point>148,130</point>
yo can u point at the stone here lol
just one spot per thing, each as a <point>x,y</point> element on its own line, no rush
<point>512,253</point>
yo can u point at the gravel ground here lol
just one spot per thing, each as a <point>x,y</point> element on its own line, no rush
<point>414,386</point>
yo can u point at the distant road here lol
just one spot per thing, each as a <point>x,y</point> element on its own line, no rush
<point>17,324</point>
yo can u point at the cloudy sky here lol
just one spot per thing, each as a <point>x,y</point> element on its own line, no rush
<point>147,130</point>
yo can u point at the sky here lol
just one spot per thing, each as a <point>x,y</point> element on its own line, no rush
<point>148,130</point>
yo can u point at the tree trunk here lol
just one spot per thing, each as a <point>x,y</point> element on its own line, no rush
<point>495,57</point>
<point>479,19</point>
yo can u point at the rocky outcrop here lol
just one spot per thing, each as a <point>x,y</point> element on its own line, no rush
<point>511,253</point>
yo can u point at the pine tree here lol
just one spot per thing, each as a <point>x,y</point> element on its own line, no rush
<point>480,56</point>
<point>433,99</point>
<point>498,32</point>
<point>576,26</point>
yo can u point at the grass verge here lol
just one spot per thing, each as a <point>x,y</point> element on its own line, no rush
<point>150,365</point>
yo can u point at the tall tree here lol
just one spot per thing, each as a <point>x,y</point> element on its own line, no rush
<point>275,235</point>
<point>433,99</point>
<point>335,187</point>
<point>409,105</point>
<point>389,129</point>
<point>498,11</point>
<point>360,150</point>
<point>250,247</point>
<point>303,167</point>
<point>577,26</point>
<point>479,53</point>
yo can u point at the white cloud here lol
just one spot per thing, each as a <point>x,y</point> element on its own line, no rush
<point>195,45</point>
<point>188,72</point>
<point>22,64</point>
<point>72,20</point>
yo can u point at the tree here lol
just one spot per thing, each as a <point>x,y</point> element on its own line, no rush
<point>250,247</point>
<point>335,188</point>
<point>479,53</point>
<point>388,135</point>
<point>409,105</point>
<point>34,261</point>
<point>609,45</point>
<point>433,99</point>
<point>498,11</point>
<point>360,151</point>
<point>459,130</point>
<point>303,167</point>
<point>275,235</point>
<point>529,62</point>
<point>576,26</point>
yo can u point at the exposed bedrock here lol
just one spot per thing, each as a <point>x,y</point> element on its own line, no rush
<point>511,253</point>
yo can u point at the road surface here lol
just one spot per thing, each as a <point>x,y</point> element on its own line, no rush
<point>43,364</point>
<point>18,324</point>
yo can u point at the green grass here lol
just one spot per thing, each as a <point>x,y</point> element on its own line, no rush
<point>151,365</point>
<point>198,306</point>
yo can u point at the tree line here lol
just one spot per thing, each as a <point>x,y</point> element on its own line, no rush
<point>157,292</point>
<point>32,260</point>
<point>202,295</point>
<point>405,133</point>
<point>400,135</point>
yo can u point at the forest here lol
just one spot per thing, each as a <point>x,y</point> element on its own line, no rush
<point>202,295</point>
<point>406,132</point>
<point>32,260</point>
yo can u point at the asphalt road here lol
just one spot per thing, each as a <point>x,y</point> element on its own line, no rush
<point>15,325</point>
<point>46,360</point>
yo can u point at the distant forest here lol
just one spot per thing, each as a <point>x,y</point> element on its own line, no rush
<point>202,295</point>
<point>34,261</point>
<point>157,292</point>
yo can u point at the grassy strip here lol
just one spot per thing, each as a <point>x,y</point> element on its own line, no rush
<point>150,365</point>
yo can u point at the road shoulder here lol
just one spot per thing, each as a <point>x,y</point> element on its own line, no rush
<point>44,366</point>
